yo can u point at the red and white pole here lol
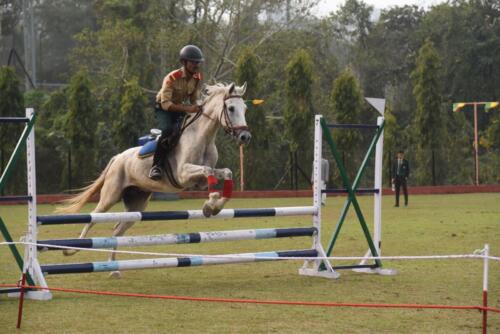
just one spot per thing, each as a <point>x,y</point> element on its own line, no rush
<point>242,171</point>
<point>485,288</point>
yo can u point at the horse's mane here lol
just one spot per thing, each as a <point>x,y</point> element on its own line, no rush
<point>211,91</point>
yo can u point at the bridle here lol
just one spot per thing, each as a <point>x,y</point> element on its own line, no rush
<point>229,128</point>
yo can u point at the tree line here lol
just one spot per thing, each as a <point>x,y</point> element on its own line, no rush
<point>109,58</point>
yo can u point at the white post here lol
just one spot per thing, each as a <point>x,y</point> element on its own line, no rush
<point>327,271</point>
<point>31,264</point>
<point>377,208</point>
<point>377,197</point>
<point>486,253</point>
<point>317,179</point>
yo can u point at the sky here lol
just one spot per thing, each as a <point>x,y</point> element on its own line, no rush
<point>326,6</point>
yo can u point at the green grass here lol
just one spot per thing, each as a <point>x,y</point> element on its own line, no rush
<point>451,224</point>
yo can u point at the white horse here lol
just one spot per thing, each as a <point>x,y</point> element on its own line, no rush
<point>192,163</point>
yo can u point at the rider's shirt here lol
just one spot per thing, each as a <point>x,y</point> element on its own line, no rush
<point>177,88</point>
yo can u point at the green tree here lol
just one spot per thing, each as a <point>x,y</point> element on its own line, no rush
<point>428,117</point>
<point>11,105</point>
<point>346,101</point>
<point>51,144</point>
<point>298,113</point>
<point>11,97</point>
<point>391,131</point>
<point>79,127</point>
<point>129,125</point>
<point>257,152</point>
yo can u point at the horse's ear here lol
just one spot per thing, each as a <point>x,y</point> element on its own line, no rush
<point>231,88</point>
<point>243,89</point>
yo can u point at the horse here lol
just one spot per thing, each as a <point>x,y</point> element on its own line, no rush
<point>191,163</point>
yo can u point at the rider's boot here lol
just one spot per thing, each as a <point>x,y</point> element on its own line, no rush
<point>156,171</point>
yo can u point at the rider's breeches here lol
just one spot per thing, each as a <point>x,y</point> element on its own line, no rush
<point>169,124</point>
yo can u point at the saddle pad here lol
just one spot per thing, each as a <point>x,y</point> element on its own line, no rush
<point>147,149</point>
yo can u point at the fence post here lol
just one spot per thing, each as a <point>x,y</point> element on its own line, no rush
<point>486,254</point>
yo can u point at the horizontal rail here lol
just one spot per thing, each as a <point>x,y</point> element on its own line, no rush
<point>192,261</point>
<point>15,198</point>
<point>357,266</point>
<point>183,238</point>
<point>358,191</point>
<point>14,119</point>
<point>115,217</point>
<point>352,126</point>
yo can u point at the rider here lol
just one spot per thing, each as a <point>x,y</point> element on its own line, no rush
<point>179,86</point>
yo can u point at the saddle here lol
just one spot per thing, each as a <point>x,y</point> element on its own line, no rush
<point>148,143</point>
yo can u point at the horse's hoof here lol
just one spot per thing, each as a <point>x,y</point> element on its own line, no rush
<point>214,196</point>
<point>215,211</point>
<point>115,274</point>
<point>207,211</point>
<point>69,252</point>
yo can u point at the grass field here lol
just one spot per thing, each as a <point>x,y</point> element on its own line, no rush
<point>431,225</point>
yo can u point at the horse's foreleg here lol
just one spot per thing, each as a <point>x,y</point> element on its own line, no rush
<point>227,191</point>
<point>215,202</point>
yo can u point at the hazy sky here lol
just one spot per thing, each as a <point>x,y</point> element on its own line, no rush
<point>326,6</point>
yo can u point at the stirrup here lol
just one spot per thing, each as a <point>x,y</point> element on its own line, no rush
<point>155,173</point>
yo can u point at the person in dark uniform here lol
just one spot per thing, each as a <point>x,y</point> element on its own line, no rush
<point>178,95</point>
<point>400,173</point>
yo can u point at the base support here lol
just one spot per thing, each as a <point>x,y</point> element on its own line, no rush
<point>33,295</point>
<point>378,271</point>
<point>319,273</point>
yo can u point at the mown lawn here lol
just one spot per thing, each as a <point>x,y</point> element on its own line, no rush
<point>431,225</point>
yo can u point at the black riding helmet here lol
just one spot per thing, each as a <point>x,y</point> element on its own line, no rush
<point>191,53</point>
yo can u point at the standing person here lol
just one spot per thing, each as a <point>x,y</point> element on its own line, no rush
<point>400,173</point>
<point>178,95</point>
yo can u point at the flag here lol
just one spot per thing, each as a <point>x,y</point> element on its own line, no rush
<point>490,105</point>
<point>458,106</point>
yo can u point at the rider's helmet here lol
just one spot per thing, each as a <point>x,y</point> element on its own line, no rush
<point>191,53</point>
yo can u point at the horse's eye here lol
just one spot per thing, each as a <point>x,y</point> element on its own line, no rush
<point>231,109</point>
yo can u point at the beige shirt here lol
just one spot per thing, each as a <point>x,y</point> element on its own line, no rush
<point>177,88</point>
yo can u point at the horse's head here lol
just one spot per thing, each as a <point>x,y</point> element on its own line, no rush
<point>233,114</point>
<point>225,104</point>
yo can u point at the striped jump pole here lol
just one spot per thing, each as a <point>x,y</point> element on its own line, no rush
<point>174,262</point>
<point>182,238</point>
<point>117,217</point>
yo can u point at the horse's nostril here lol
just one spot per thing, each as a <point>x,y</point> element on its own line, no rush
<point>245,137</point>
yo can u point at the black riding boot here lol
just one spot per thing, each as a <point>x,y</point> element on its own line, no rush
<point>156,171</point>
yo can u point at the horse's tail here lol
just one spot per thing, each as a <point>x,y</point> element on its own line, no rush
<point>75,203</point>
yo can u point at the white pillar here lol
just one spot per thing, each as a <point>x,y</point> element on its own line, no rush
<point>31,264</point>
<point>377,197</point>
<point>317,265</point>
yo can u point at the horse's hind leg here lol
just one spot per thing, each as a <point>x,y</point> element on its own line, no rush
<point>110,195</point>
<point>134,200</point>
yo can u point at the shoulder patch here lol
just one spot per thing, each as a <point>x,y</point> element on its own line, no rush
<point>177,74</point>
<point>172,76</point>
